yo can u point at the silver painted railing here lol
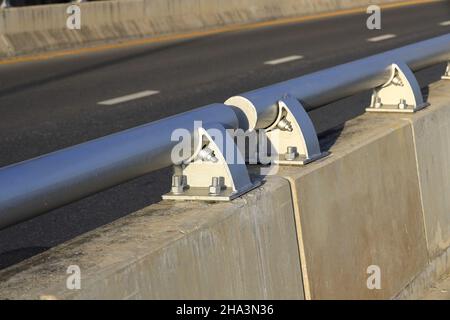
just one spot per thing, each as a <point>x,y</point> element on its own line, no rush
<point>38,185</point>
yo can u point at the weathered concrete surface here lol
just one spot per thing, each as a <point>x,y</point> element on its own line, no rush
<point>380,199</point>
<point>245,250</point>
<point>420,286</point>
<point>42,28</point>
<point>431,129</point>
<point>440,290</point>
<point>358,208</point>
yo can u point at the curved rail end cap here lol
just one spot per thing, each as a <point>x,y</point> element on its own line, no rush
<point>248,115</point>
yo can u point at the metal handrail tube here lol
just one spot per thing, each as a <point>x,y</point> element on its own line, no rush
<point>38,185</point>
<point>323,87</point>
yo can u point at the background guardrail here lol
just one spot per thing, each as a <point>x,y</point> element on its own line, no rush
<point>38,185</point>
<point>23,3</point>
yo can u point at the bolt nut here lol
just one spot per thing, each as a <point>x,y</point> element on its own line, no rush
<point>207,155</point>
<point>216,186</point>
<point>378,104</point>
<point>402,105</point>
<point>285,125</point>
<point>397,81</point>
<point>291,154</point>
<point>179,184</point>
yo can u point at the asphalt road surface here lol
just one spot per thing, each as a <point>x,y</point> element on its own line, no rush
<point>51,104</point>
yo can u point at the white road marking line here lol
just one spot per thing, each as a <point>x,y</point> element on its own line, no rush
<point>381,38</point>
<point>129,97</point>
<point>283,60</point>
<point>445,23</point>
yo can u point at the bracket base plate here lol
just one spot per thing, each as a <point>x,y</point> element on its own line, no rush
<point>202,194</point>
<point>445,77</point>
<point>396,109</point>
<point>300,159</point>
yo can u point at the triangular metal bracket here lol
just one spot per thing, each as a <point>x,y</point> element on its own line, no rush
<point>400,94</point>
<point>215,172</point>
<point>446,75</point>
<point>292,137</point>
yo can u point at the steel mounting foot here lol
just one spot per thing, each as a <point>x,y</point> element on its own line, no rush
<point>215,172</point>
<point>400,94</point>
<point>292,137</point>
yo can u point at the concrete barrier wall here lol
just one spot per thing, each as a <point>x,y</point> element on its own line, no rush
<point>381,199</point>
<point>361,207</point>
<point>41,28</point>
<point>431,129</point>
<point>246,249</point>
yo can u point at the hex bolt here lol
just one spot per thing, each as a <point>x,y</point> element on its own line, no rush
<point>402,105</point>
<point>291,154</point>
<point>216,186</point>
<point>207,154</point>
<point>397,81</point>
<point>179,184</point>
<point>285,125</point>
<point>378,104</point>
